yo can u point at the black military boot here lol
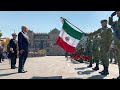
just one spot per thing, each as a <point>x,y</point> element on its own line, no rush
<point>81,61</point>
<point>105,71</point>
<point>89,66</point>
<point>96,68</point>
<point>117,77</point>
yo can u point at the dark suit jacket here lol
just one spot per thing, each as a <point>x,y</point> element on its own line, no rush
<point>22,42</point>
<point>13,45</point>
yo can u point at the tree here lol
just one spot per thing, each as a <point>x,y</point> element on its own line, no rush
<point>0,34</point>
<point>43,51</point>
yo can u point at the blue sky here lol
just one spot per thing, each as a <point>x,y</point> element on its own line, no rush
<point>44,21</point>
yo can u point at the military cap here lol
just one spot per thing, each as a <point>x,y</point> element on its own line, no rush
<point>103,20</point>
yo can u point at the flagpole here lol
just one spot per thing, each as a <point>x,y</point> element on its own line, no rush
<point>72,24</point>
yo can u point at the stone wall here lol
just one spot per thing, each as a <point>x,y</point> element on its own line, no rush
<point>46,41</point>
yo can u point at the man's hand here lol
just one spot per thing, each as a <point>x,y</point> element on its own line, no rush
<point>113,14</point>
<point>17,52</point>
<point>21,51</point>
<point>12,51</point>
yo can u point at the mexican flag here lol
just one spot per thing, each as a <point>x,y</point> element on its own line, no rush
<point>69,38</point>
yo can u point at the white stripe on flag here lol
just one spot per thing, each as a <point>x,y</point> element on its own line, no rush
<point>73,42</point>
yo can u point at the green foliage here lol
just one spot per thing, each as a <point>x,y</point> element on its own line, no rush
<point>43,51</point>
<point>0,34</point>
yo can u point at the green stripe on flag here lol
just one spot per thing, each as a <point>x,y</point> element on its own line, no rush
<point>72,32</point>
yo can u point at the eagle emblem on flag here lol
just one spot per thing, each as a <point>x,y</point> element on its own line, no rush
<point>67,38</point>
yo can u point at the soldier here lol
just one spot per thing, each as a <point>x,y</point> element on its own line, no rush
<point>89,51</point>
<point>105,42</point>
<point>116,28</point>
<point>66,55</point>
<point>96,51</point>
<point>112,53</point>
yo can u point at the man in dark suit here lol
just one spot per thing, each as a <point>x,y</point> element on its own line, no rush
<point>1,50</point>
<point>23,43</point>
<point>13,44</point>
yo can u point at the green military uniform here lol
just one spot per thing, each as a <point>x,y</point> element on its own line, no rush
<point>112,53</point>
<point>66,55</point>
<point>89,51</point>
<point>105,42</point>
<point>111,50</point>
<point>96,51</point>
<point>116,27</point>
<point>79,51</point>
<point>91,35</point>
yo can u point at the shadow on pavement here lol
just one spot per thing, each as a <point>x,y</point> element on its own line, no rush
<point>8,74</point>
<point>4,69</point>
<point>85,72</point>
<point>74,62</point>
<point>82,68</point>
<point>96,77</point>
<point>86,62</point>
<point>52,77</point>
<point>73,78</point>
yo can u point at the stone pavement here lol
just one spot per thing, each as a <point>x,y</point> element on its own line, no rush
<point>54,67</point>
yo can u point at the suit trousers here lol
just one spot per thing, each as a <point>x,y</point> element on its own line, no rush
<point>22,60</point>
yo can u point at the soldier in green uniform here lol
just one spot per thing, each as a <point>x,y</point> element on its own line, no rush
<point>105,42</point>
<point>66,56</point>
<point>89,51</point>
<point>116,28</point>
<point>96,51</point>
<point>112,53</point>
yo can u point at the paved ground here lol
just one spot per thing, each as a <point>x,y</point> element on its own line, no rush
<point>54,67</point>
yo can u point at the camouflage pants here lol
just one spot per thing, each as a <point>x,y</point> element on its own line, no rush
<point>112,54</point>
<point>104,55</point>
<point>91,59</point>
<point>117,47</point>
<point>96,56</point>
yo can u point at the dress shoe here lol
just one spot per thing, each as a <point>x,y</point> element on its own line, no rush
<point>21,72</point>
<point>16,67</point>
<point>13,68</point>
<point>24,71</point>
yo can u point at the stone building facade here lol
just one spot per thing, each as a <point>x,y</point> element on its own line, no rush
<point>46,41</point>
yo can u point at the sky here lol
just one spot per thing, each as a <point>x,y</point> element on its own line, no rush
<point>44,21</point>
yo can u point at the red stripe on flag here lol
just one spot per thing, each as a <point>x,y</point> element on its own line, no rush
<point>64,45</point>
